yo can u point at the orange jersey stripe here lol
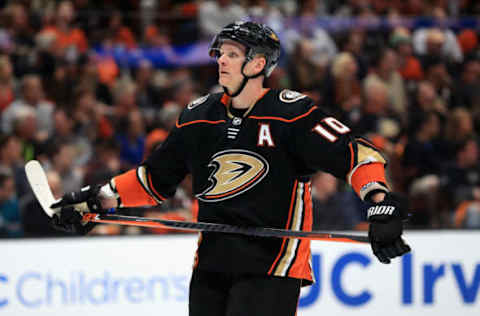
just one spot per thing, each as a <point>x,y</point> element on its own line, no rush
<point>372,172</point>
<point>290,211</point>
<point>366,142</point>
<point>197,122</point>
<point>301,267</point>
<point>131,190</point>
<point>283,119</point>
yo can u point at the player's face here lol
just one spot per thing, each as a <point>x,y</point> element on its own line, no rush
<point>230,60</point>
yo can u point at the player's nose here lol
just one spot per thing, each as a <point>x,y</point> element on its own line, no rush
<point>222,60</point>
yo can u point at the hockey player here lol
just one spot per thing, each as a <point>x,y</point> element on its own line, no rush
<point>251,152</point>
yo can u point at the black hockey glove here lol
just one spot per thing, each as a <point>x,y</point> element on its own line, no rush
<point>386,227</point>
<point>70,221</point>
<point>88,195</point>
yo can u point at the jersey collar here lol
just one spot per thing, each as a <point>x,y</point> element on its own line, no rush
<point>226,102</point>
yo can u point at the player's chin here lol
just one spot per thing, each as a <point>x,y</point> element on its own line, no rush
<point>224,81</point>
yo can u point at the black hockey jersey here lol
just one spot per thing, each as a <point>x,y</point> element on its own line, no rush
<point>253,170</point>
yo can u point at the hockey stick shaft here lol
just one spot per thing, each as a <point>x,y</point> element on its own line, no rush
<point>221,228</point>
<point>38,181</point>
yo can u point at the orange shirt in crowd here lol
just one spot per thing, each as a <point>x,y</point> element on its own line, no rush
<point>74,37</point>
<point>6,97</point>
<point>125,36</point>
<point>412,69</point>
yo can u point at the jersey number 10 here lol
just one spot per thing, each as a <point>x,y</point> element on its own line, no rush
<point>338,127</point>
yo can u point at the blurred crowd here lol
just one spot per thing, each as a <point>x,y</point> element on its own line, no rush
<point>404,73</point>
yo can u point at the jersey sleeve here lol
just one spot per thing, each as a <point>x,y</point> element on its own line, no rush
<point>321,142</point>
<point>157,178</point>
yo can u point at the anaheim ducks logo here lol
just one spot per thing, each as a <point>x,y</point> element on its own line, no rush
<point>290,96</point>
<point>234,172</point>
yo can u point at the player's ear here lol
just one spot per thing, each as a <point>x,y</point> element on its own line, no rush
<point>257,65</point>
<point>260,63</point>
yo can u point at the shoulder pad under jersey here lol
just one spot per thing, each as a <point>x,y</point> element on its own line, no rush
<point>197,102</point>
<point>285,105</point>
<point>200,108</point>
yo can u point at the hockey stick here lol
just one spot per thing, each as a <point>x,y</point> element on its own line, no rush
<point>38,181</point>
<point>222,228</point>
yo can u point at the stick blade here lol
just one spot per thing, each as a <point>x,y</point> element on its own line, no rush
<point>38,182</point>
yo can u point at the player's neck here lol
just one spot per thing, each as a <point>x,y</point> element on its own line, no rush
<point>249,95</point>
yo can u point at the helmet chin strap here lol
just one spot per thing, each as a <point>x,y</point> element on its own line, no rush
<point>244,81</point>
<point>239,90</point>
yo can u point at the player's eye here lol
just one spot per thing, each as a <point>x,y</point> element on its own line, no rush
<point>230,54</point>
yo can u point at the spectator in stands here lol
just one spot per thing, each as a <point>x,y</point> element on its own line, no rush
<point>467,215</point>
<point>350,8</point>
<point>168,115</point>
<point>90,116</point>
<point>462,178</point>
<point>8,84</point>
<point>64,131</point>
<point>343,92</point>
<point>468,41</point>
<point>18,38</point>
<point>304,71</point>
<point>105,163</point>
<point>131,138</point>
<point>465,91</point>
<point>59,82</point>
<point>124,93</point>
<point>89,78</point>
<point>154,36</point>
<point>385,68</point>
<point>426,100</point>
<point>62,157</point>
<point>421,156</point>
<point>458,128</point>
<point>409,66</point>
<point>324,48</point>
<point>333,209</point>
<point>436,72</point>
<point>183,90</point>
<point>354,44</point>
<point>25,128</point>
<point>435,41</point>
<point>147,96</point>
<point>11,159</point>
<point>215,14</point>
<point>10,224</point>
<point>376,116</point>
<point>263,11</point>
<point>32,98</point>
<point>69,40</point>
<point>121,34</point>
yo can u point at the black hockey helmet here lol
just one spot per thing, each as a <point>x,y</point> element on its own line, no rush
<point>257,39</point>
